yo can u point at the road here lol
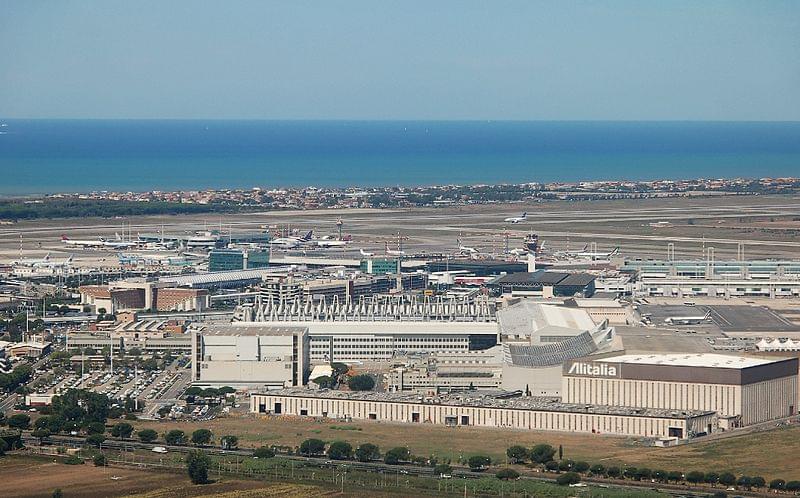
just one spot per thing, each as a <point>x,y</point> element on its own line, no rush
<point>378,467</point>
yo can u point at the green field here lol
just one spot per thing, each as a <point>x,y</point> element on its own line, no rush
<point>769,454</point>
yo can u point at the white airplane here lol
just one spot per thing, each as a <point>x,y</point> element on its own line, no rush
<point>393,252</point>
<point>366,254</point>
<point>160,246</point>
<point>44,262</point>
<point>688,320</point>
<point>518,252</point>
<point>32,261</point>
<point>292,242</point>
<point>83,243</point>
<point>328,241</point>
<point>583,253</point>
<point>465,249</point>
<point>118,243</point>
<point>517,219</point>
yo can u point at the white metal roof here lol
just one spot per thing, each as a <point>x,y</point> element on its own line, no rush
<point>691,360</point>
<point>384,327</point>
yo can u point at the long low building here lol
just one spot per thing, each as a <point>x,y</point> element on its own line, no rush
<point>773,287</point>
<point>466,409</point>
<point>741,390</point>
<point>382,340</point>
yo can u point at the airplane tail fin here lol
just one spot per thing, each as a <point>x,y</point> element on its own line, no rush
<point>585,247</point>
<point>307,235</point>
<point>47,257</point>
<point>525,214</point>
<point>64,237</point>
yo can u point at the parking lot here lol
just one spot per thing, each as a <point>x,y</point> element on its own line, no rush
<point>749,319</point>
<point>124,382</point>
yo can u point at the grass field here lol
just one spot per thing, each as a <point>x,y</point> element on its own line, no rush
<point>89,481</point>
<point>769,454</point>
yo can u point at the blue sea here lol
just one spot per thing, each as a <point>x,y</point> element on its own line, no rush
<point>47,156</point>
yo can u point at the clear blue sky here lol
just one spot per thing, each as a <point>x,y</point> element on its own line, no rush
<point>433,59</point>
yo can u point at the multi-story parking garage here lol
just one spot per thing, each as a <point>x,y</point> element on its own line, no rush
<point>741,390</point>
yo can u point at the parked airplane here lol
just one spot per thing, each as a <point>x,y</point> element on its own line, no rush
<point>465,249</point>
<point>366,254</point>
<point>98,243</point>
<point>393,252</point>
<point>32,261</point>
<point>688,320</point>
<point>118,243</point>
<point>83,243</point>
<point>583,253</point>
<point>517,219</point>
<point>329,241</point>
<point>44,262</point>
<point>292,242</point>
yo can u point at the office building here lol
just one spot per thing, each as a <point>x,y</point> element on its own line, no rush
<point>251,357</point>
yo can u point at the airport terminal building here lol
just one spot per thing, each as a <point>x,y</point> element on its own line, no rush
<point>740,390</point>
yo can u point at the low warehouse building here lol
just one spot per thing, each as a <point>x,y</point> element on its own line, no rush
<point>741,390</point>
<point>472,410</point>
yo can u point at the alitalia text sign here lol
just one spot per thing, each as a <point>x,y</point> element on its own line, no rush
<point>599,369</point>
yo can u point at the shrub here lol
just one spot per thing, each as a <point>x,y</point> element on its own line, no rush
<point>568,478</point>
<point>361,382</point>
<point>695,477</point>
<point>517,454</point>
<point>95,428</point>
<point>478,462</point>
<point>311,447</point>
<point>73,460</point>
<point>229,442</point>
<point>175,437</point>
<point>597,469</point>
<point>507,474</point>
<point>552,465</point>
<point>614,472</point>
<point>340,450</point>
<point>793,486</point>
<point>99,460</point>
<point>368,452</point>
<point>147,435</point>
<point>397,455</point>
<point>580,467</point>
<point>542,453</point>
<point>777,484</point>
<point>95,439</point>
<point>674,475</point>
<point>19,421</point>
<point>197,464</point>
<point>122,430</point>
<point>201,437</point>
<point>727,478</point>
<point>442,469</point>
<point>264,452</point>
